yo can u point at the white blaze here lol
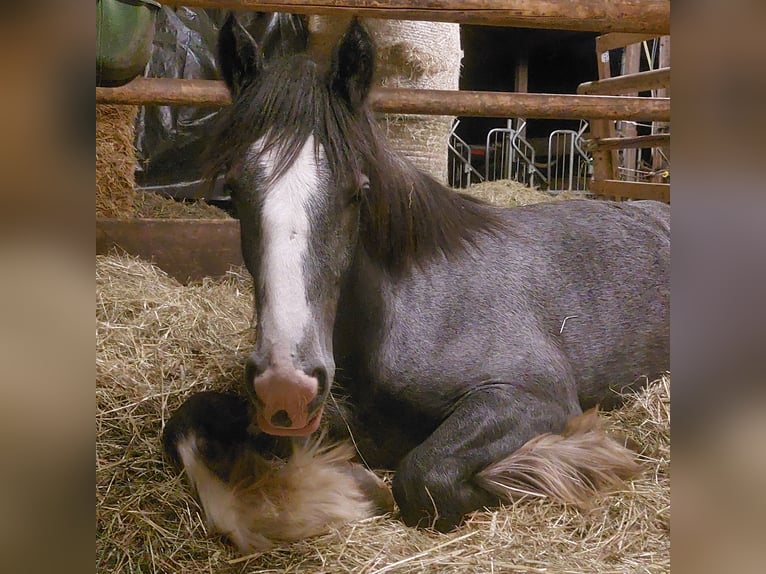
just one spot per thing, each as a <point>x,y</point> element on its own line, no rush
<point>285,235</point>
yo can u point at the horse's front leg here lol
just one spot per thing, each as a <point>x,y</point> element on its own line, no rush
<point>434,484</point>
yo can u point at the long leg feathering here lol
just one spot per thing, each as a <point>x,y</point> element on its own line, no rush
<point>571,467</point>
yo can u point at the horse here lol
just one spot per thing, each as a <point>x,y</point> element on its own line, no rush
<point>462,341</point>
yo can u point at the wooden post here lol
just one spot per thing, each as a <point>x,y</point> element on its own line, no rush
<point>521,82</point>
<point>603,160</point>
<point>661,127</point>
<point>631,64</point>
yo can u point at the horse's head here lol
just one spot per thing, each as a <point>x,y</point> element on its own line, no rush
<point>296,183</point>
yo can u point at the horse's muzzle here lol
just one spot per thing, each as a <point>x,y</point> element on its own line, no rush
<point>288,401</point>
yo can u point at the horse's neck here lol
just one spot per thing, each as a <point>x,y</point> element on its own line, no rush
<point>362,305</point>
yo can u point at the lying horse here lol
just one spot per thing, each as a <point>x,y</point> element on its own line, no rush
<point>454,331</point>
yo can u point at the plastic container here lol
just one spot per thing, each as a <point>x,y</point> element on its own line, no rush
<point>124,36</point>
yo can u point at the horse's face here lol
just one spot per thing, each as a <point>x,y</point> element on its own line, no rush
<point>299,222</point>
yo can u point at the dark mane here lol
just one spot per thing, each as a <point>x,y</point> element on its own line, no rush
<point>287,103</point>
<point>407,217</point>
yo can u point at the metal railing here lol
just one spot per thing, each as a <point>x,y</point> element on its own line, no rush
<point>462,173</point>
<point>510,156</point>
<point>569,166</point>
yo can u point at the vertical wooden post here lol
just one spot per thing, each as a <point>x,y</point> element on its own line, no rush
<point>603,164</point>
<point>631,64</point>
<point>661,127</point>
<point>521,80</point>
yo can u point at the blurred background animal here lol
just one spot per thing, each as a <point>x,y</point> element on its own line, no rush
<point>259,490</point>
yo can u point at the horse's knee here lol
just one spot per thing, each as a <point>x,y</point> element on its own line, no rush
<point>436,495</point>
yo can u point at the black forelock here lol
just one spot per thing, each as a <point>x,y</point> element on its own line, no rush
<point>290,101</point>
<point>406,217</point>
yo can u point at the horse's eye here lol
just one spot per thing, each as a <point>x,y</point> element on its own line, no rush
<point>230,186</point>
<point>364,188</point>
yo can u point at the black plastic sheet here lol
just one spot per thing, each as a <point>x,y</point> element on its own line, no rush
<point>170,140</point>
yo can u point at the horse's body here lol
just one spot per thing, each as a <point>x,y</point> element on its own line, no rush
<point>455,330</point>
<point>533,312</point>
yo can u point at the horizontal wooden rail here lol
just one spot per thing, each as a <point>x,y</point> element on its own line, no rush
<point>627,84</point>
<point>647,16</point>
<point>167,92</point>
<point>632,189</point>
<point>184,248</point>
<point>620,40</point>
<point>654,140</point>
<point>407,101</point>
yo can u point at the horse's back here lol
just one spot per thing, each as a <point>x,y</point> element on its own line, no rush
<point>574,292</point>
<point>603,290</point>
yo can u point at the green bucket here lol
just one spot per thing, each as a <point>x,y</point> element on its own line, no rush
<point>124,36</point>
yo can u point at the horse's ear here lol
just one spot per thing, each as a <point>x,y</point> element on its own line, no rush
<point>352,65</point>
<point>238,57</point>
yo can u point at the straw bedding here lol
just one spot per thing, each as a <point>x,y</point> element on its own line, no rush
<point>157,341</point>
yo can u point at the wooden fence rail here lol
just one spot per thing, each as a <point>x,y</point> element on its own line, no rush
<point>637,16</point>
<point>628,83</point>
<point>407,101</point>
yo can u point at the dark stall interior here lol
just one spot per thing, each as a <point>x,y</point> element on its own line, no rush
<point>557,62</point>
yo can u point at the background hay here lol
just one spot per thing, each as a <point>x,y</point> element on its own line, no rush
<point>512,193</point>
<point>154,205</point>
<point>115,160</point>
<point>158,341</point>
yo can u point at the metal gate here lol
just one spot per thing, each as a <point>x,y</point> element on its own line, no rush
<point>461,172</point>
<point>569,166</point>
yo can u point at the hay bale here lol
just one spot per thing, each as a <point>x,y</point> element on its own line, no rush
<point>419,55</point>
<point>512,193</point>
<point>115,160</point>
<point>158,341</point>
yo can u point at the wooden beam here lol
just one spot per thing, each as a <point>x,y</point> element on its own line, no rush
<point>630,83</point>
<point>521,83</point>
<point>186,249</point>
<point>646,16</point>
<point>166,92</point>
<point>632,189</point>
<point>658,156</point>
<point>620,40</point>
<point>502,105</point>
<point>408,101</point>
<point>603,160</point>
<point>631,64</point>
<point>656,140</point>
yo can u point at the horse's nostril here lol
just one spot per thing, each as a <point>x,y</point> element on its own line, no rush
<point>320,374</point>
<point>281,419</point>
